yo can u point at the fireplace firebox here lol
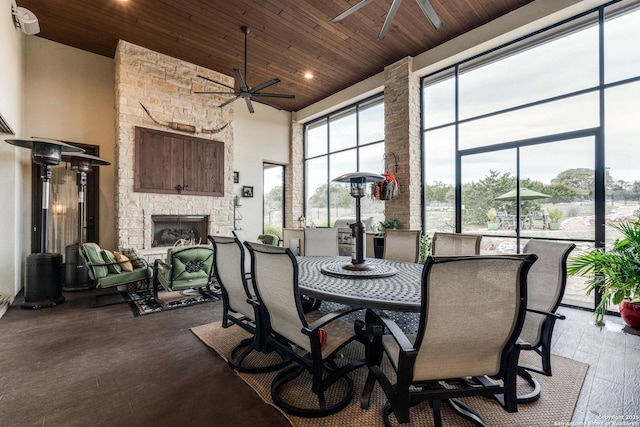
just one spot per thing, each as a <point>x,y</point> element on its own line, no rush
<point>167,230</point>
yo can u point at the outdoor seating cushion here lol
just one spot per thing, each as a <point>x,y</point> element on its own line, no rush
<point>124,277</point>
<point>190,267</point>
<point>108,257</point>
<point>124,261</point>
<point>94,253</point>
<point>134,256</point>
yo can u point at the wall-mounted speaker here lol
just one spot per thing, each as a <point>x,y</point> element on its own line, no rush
<point>26,20</point>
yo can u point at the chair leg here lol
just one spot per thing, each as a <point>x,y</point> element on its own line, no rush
<point>248,344</point>
<point>437,416</point>
<point>466,412</point>
<point>533,395</point>
<point>111,298</point>
<point>289,374</point>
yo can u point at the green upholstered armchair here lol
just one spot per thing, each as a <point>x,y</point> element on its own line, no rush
<point>110,269</point>
<point>269,239</point>
<point>186,267</point>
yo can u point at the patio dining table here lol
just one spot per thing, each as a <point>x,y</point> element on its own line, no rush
<point>398,292</point>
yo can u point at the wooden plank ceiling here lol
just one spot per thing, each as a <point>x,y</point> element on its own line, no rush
<point>288,37</point>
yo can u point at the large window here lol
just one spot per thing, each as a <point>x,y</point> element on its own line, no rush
<point>538,139</point>
<point>348,140</point>
<point>273,200</point>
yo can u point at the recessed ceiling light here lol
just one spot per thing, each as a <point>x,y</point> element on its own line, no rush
<point>308,75</point>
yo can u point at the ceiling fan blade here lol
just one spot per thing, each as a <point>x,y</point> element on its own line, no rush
<point>265,102</point>
<point>247,100</point>
<point>350,11</point>
<point>218,93</point>
<point>265,85</point>
<point>218,83</point>
<point>428,10</point>
<point>387,22</point>
<point>240,80</point>
<point>274,95</point>
<point>229,101</point>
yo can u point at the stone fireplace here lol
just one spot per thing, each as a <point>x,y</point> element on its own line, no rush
<point>169,230</point>
<point>164,85</point>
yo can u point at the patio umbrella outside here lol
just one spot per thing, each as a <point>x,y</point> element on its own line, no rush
<point>525,194</point>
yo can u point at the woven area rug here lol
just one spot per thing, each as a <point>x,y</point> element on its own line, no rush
<point>142,301</point>
<point>555,406</point>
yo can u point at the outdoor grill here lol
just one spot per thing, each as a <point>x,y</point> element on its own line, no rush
<point>344,232</point>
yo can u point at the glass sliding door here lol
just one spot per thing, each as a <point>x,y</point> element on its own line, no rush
<point>273,200</point>
<point>511,193</point>
<point>485,177</point>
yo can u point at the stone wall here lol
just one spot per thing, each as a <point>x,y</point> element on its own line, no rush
<point>294,176</point>
<point>165,85</point>
<point>402,139</point>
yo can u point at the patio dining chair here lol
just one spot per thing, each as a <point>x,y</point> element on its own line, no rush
<point>402,245</point>
<point>237,291</point>
<point>321,241</point>
<point>546,283</point>
<point>313,341</point>
<point>455,244</point>
<point>454,354</point>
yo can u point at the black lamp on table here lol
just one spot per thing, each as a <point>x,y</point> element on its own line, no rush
<point>358,188</point>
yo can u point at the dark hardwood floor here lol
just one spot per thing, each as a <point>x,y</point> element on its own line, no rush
<point>72,365</point>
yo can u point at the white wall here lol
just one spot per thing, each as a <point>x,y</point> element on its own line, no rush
<point>259,137</point>
<point>69,95</point>
<point>15,163</point>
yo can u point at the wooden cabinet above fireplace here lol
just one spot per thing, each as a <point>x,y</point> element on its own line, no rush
<point>178,164</point>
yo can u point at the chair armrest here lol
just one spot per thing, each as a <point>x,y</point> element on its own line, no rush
<point>140,259</point>
<point>327,318</point>
<point>395,331</point>
<point>523,344</point>
<point>546,313</point>
<point>157,264</point>
<point>102,264</point>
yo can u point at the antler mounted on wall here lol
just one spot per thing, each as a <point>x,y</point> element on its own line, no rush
<point>183,127</point>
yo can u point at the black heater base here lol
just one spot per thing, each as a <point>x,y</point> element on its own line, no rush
<point>43,287</point>
<point>76,277</point>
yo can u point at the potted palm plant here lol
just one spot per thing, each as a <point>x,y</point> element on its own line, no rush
<point>616,273</point>
<point>388,224</point>
<point>554,216</point>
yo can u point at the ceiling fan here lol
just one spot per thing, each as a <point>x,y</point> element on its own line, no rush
<point>425,5</point>
<point>247,92</point>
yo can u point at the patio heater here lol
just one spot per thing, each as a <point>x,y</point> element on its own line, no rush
<point>43,285</point>
<point>358,187</point>
<point>76,277</point>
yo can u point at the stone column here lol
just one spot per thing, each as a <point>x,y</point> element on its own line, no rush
<point>294,176</point>
<point>402,142</point>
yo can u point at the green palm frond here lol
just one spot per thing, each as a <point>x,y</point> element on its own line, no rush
<point>615,273</point>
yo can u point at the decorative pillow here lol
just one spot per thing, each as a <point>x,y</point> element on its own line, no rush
<point>93,252</point>
<point>135,257</point>
<point>124,261</point>
<point>322,334</point>
<point>108,258</point>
